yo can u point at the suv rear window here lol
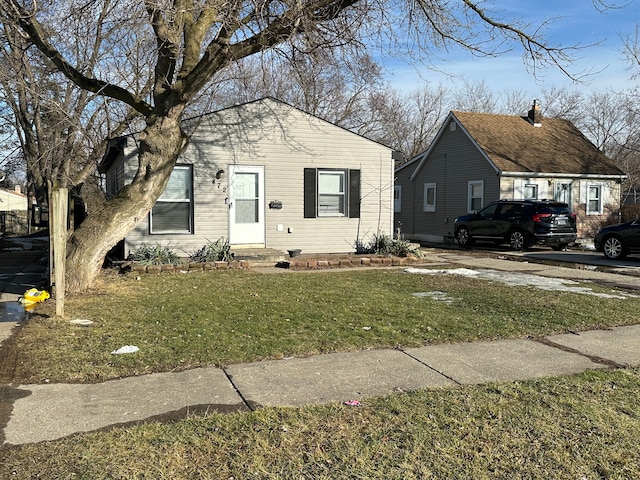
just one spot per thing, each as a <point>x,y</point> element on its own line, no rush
<point>555,209</point>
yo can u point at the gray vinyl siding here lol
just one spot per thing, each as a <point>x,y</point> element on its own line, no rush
<point>403,220</point>
<point>452,163</point>
<point>284,141</point>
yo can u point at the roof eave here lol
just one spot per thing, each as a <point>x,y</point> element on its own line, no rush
<point>566,175</point>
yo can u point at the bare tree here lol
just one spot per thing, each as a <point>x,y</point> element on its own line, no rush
<point>475,97</point>
<point>60,129</point>
<point>563,103</point>
<point>333,85</point>
<point>406,122</point>
<point>514,102</point>
<point>190,42</point>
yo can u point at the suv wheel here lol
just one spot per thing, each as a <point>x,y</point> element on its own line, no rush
<point>518,240</point>
<point>463,237</point>
<point>613,248</point>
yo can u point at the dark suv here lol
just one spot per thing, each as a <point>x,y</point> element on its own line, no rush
<point>521,223</point>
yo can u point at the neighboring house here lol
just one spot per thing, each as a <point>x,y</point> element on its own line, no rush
<point>13,199</point>
<point>13,211</point>
<point>265,174</point>
<point>477,158</point>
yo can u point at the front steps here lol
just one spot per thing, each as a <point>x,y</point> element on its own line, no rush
<point>258,256</point>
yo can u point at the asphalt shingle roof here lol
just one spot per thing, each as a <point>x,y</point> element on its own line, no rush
<point>515,145</point>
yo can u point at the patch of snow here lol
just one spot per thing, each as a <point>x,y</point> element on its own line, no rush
<point>437,296</point>
<point>521,280</point>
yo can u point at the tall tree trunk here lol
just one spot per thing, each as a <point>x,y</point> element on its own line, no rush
<point>160,145</point>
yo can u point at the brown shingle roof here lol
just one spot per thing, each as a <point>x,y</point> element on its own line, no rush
<point>514,145</point>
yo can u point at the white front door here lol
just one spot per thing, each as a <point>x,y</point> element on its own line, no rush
<point>246,205</point>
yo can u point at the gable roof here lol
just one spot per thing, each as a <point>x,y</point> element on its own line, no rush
<point>512,144</point>
<point>271,104</point>
<point>275,107</point>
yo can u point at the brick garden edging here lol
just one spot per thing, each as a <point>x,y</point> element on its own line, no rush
<point>318,263</point>
<point>346,262</point>
<point>192,267</point>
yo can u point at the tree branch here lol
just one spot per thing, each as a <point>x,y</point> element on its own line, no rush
<point>220,52</point>
<point>35,33</point>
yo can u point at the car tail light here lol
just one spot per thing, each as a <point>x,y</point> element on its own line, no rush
<point>573,216</point>
<point>538,217</point>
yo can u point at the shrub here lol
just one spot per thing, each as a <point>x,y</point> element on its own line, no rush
<point>385,245</point>
<point>147,254</point>
<point>630,212</point>
<point>218,251</point>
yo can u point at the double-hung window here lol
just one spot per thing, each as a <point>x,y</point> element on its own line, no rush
<point>331,192</point>
<point>173,211</point>
<point>594,199</point>
<point>531,191</point>
<point>475,195</point>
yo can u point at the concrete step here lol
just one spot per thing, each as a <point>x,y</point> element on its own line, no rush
<point>269,256</point>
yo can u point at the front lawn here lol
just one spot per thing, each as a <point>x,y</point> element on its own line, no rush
<point>184,320</point>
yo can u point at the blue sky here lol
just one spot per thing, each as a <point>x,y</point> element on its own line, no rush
<point>576,22</point>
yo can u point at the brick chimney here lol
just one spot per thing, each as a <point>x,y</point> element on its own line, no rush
<point>535,115</point>
<point>17,189</point>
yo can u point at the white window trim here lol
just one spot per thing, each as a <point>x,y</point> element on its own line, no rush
<point>427,207</point>
<point>536,189</point>
<point>397,198</point>
<point>343,194</point>
<point>470,186</point>
<point>600,188</point>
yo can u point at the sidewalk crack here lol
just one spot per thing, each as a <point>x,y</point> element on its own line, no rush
<point>251,405</point>
<point>593,358</point>
<point>431,368</point>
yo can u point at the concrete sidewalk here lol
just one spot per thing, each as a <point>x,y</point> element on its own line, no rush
<point>48,412</point>
<point>34,413</point>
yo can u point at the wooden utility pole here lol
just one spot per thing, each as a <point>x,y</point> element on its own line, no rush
<point>58,242</point>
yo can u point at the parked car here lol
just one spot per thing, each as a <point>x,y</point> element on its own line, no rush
<point>520,223</point>
<point>617,241</point>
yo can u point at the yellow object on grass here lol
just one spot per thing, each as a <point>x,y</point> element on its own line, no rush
<point>33,296</point>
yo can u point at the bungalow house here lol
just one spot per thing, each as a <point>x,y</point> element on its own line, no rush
<point>477,158</point>
<point>265,175</point>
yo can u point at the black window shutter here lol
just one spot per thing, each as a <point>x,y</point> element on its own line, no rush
<point>309,193</point>
<point>354,193</point>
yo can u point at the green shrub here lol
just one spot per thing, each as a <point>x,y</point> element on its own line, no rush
<point>218,251</point>
<point>147,254</point>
